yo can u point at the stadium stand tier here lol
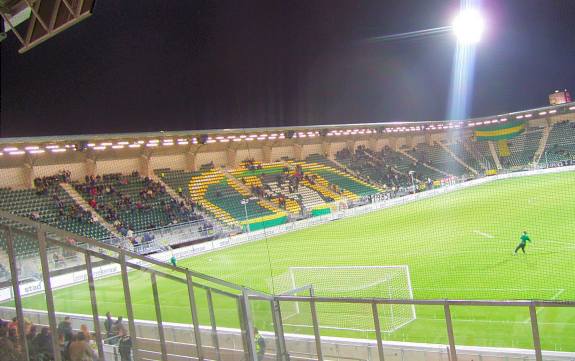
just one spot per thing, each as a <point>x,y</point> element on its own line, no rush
<point>224,199</point>
<point>437,157</point>
<point>561,143</point>
<point>131,202</point>
<point>522,149</point>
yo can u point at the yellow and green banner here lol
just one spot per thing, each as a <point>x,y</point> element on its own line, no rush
<point>500,131</point>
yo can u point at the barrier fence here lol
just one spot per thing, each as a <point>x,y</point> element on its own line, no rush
<point>206,301</point>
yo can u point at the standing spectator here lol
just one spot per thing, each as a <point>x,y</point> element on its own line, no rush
<point>30,337</point>
<point>8,349</point>
<point>79,349</point>
<point>260,345</point>
<point>125,346</point>
<point>13,324</point>
<point>43,344</point>
<point>65,328</point>
<point>108,325</point>
<point>86,331</point>
<point>13,336</point>
<point>118,326</point>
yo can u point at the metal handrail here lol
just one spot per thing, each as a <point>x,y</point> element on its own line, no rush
<point>42,227</point>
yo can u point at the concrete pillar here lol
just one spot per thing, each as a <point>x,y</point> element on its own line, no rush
<point>267,153</point>
<point>145,170</point>
<point>231,157</point>
<point>28,175</point>
<point>90,166</point>
<point>297,151</point>
<point>190,165</point>
<point>350,145</point>
<point>411,142</point>
<point>428,139</point>
<point>393,143</point>
<point>325,148</point>
<point>372,143</point>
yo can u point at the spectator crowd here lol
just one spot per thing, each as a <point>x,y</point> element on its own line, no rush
<point>73,345</point>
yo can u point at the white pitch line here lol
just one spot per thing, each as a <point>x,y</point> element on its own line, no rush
<point>559,242</point>
<point>486,289</point>
<point>486,235</point>
<point>455,320</point>
<point>540,309</point>
<point>330,327</point>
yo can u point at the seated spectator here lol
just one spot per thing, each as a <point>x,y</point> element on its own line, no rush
<point>35,216</point>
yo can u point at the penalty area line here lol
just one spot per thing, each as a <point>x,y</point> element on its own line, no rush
<point>486,235</point>
<point>540,309</point>
<point>558,242</point>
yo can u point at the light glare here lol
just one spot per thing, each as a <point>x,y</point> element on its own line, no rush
<point>468,26</point>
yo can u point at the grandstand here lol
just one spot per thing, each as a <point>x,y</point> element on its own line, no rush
<point>375,160</point>
<point>324,210</point>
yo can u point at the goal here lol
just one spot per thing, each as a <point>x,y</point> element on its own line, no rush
<point>390,282</point>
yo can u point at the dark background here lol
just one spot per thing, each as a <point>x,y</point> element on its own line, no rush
<point>196,64</point>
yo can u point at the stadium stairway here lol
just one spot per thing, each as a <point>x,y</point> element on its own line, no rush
<point>404,153</point>
<point>340,168</point>
<point>493,151</point>
<point>484,159</point>
<point>327,194</point>
<point>522,148</point>
<point>265,175</point>
<point>85,206</point>
<point>198,186</point>
<point>392,166</point>
<point>329,170</point>
<point>23,202</point>
<point>542,145</point>
<point>310,198</point>
<point>177,197</point>
<point>152,212</point>
<point>245,191</point>
<point>214,191</point>
<point>459,160</point>
<point>320,185</point>
<point>356,174</point>
<point>561,143</point>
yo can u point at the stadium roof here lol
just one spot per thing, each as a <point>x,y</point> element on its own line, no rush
<point>387,127</point>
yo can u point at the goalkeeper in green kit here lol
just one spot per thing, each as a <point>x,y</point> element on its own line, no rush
<point>524,239</point>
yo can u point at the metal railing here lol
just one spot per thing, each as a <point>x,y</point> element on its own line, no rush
<point>243,298</point>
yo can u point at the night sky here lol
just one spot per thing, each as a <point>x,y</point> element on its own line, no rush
<point>199,64</point>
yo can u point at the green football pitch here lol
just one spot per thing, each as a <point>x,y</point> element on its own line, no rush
<point>457,245</point>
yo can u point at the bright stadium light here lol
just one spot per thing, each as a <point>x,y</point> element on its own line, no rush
<point>468,26</point>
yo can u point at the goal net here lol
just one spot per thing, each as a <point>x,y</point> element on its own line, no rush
<point>390,282</point>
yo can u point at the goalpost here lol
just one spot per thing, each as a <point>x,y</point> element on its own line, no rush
<point>390,282</point>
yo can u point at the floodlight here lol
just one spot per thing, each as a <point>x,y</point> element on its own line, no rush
<point>468,26</point>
